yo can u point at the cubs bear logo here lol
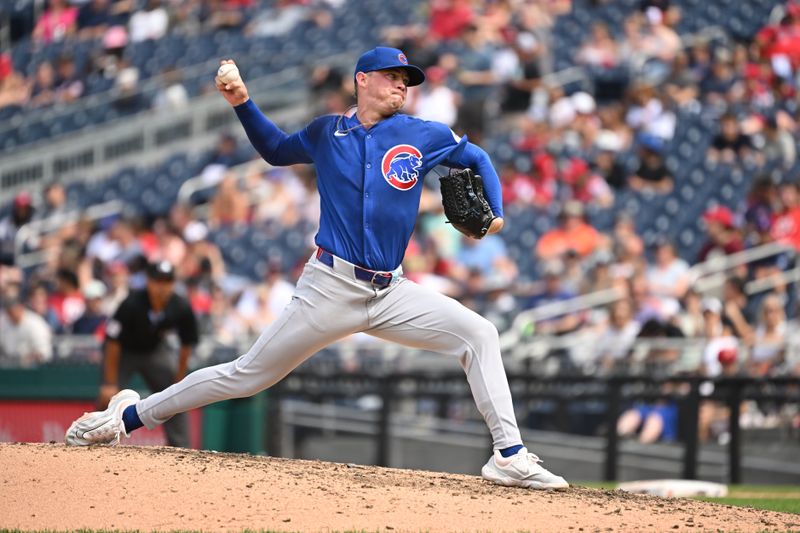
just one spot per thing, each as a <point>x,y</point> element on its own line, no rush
<point>400,166</point>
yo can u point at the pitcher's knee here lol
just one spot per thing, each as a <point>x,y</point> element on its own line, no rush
<point>482,333</point>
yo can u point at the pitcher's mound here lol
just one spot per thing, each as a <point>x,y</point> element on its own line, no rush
<point>159,489</point>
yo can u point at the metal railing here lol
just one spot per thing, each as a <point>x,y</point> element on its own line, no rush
<point>710,275</point>
<point>614,393</point>
<point>585,302</point>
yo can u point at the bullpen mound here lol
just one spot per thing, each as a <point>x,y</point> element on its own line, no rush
<point>160,489</point>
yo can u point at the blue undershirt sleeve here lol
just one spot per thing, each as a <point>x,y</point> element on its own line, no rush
<point>474,157</point>
<point>275,146</point>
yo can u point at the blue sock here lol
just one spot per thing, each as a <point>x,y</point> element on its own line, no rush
<point>508,452</point>
<point>131,419</point>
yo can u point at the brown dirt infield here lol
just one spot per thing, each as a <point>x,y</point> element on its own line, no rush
<point>51,486</point>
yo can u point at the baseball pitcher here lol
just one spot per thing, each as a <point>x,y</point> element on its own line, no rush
<point>370,167</point>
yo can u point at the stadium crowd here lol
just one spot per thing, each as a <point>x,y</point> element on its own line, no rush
<point>489,66</point>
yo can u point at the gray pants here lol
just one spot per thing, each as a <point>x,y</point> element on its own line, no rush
<point>330,304</point>
<point>158,371</point>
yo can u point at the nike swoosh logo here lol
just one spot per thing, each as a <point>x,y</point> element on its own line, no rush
<point>338,133</point>
<point>81,435</point>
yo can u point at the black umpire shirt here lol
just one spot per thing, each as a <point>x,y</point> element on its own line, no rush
<point>140,330</point>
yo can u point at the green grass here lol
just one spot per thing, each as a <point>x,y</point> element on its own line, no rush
<point>782,498</point>
<point>768,504</point>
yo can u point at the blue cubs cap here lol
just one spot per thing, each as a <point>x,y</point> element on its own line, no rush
<point>382,57</point>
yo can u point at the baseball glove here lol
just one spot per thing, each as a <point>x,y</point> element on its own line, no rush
<point>464,204</point>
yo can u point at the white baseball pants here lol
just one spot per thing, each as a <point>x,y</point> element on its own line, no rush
<point>330,304</point>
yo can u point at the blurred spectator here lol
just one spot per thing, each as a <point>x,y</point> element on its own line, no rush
<point>628,248</point>
<point>736,308</point>
<point>769,338</point>
<point>259,314</point>
<point>280,20</point>
<point>786,224</point>
<point>127,96</point>
<point>719,81</point>
<point>67,300</point>
<point>109,60</point>
<point>477,79</point>
<point>180,216</point>
<point>448,19</point>
<point>14,88</point>
<point>730,144</point>
<point>523,74</point>
<point>56,23</point>
<point>55,202</point>
<point>37,302</point>
<point>572,233</point>
<point>434,100</point>
<point>722,236</point>
<point>586,186</point>
<point>649,116</point>
<point>229,207</point>
<point>690,318</point>
<point>650,307</point>
<point>600,276</point>
<point>26,339</point>
<point>225,155</point>
<point>169,245</point>
<point>614,343</point>
<point>681,85</point>
<point>779,144</point>
<point>278,293</point>
<point>653,174</point>
<point>43,89</point>
<point>488,257</point>
<point>574,270</point>
<point>720,356</point>
<point>203,259</point>
<point>94,18</point>
<point>117,242</point>
<point>615,135</point>
<point>537,186</point>
<point>21,213</point>
<point>150,23</point>
<point>68,86</point>
<point>606,165</point>
<point>172,94</point>
<point>761,202</point>
<point>552,291</point>
<point>652,422</point>
<point>660,44</point>
<point>718,332</point>
<point>277,194</point>
<point>93,319</point>
<point>600,49</point>
<point>668,276</point>
<point>423,264</point>
<point>117,274</point>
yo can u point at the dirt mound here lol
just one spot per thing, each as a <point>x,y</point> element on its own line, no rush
<point>158,489</point>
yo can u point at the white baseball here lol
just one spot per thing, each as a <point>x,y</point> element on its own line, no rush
<point>228,73</point>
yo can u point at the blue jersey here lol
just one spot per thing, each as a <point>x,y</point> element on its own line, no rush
<point>369,180</point>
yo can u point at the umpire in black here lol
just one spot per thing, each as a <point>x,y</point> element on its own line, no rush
<point>136,341</point>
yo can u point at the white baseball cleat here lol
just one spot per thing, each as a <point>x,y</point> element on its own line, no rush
<point>102,427</point>
<point>521,470</point>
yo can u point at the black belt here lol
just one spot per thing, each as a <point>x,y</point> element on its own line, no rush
<point>377,278</point>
